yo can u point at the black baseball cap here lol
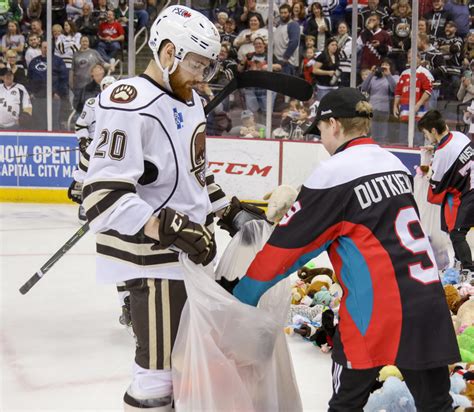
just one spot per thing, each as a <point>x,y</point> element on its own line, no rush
<point>339,103</point>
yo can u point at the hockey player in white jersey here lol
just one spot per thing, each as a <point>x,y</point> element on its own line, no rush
<point>147,189</point>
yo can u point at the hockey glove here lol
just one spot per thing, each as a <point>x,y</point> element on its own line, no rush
<point>192,238</point>
<point>237,214</point>
<point>75,192</point>
<point>84,143</point>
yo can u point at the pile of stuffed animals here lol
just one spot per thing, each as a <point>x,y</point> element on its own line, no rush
<point>461,305</point>
<point>315,299</point>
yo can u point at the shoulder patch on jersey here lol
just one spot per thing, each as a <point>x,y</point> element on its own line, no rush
<point>123,93</point>
<point>90,101</point>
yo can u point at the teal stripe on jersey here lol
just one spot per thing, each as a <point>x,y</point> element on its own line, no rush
<point>355,275</point>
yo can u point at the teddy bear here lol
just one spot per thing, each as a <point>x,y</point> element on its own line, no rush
<point>453,298</point>
<point>464,315</point>
<point>394,396</point>
<point>466,344</point>
<point>309,271</point>
<point>279,201</point>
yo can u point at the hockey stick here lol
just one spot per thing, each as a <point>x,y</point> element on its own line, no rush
<point>277,82</point>
<point>294,87</point>
<point>58,255</point>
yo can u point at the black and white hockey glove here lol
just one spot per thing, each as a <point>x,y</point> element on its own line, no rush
<point>84,143</point>
<point>75,192</point>
<point>237,214</point>
<point>192,238</point>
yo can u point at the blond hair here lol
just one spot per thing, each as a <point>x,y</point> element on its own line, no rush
<point>358,125</point>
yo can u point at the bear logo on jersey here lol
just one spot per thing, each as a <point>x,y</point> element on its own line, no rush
<point>123,94</point>
<point>198,154</point>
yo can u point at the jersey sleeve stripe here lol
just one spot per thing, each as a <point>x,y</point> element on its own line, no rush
<point>89,188</point>
<point>149,260</point>
<point>100,201</point>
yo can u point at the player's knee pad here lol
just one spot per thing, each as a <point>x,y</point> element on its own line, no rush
<point>150,384</point>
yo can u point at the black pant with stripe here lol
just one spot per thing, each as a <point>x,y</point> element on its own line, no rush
<point>351,388</point>
<point>155,306</point>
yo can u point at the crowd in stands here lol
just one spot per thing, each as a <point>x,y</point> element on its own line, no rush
<point>310,39</point>
<point>89,37</point>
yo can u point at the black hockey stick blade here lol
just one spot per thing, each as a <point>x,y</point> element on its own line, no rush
<point>291,86</point>
<point>58,255</point>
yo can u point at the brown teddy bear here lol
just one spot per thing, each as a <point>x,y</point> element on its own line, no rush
<point>454,298</point>
<point>309,271</point>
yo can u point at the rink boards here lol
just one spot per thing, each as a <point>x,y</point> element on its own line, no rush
<point>38,167</point>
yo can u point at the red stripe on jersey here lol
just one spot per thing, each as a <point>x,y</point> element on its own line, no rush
<point>358,142</point>
<point>451,213</point>
<point>445,142</point>
<point>436,199</point>
<point>375,347</point>
<point>272,261</point>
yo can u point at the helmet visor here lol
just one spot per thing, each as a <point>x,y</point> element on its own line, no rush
<point>202,68</point>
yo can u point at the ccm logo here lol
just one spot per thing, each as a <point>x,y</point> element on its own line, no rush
<point>239,169</point>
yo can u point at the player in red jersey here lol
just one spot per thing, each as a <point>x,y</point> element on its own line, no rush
<point>359,207</point>
<point>452,185</point>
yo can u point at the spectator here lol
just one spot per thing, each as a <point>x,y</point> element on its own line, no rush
<point>380,87</point>
<point>432,60</point>
<point>249,127</point>
<point>15,104</point>
<point>318,26</point>
<point>13,39</point>
<point>121,13</point>
<point>255,98</point>
<point>34,48</point>
<point>399,27</point>
<point>37,86</point>
<point>249,11</point>
<point>37,28</point>
<point>18,70</point>
<point>229,35</point>
<point>100,11</point>
<point>450,46</point>
<point>326,70</point>
<point>67,43</point>
<point>344,47</point>
<point>88,24</point>
<point>286,41</point>
<point>459,9</point>
<point>437,18</point>
<point>140,13</point>
<point>468,49</point>
<point>307,64</point>
<point>227,67</point>
<point>92,88</point>
<point>222,17</point>
<point>375,43</point>
<point>466,89</point>
<point>33,11</point>
<point>244,41</point>
<point>298,14</point>
<point>402,96</point>
<point>111,35</point>
<point>58,8</point>
<point>373,7</point>
<point>424,29</point>
<point>82,63</point>
<point>295,121</point>
<point>16,12</point>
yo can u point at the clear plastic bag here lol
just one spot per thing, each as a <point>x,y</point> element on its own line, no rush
<point>229,356</point>
<point>431,222</point>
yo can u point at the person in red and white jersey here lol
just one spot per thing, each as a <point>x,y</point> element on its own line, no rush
<point>111,35</point>
<point>14,102</point>
<point>424,87</point>
<point>452,184</point>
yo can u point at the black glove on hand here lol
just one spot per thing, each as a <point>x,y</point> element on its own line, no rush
<point>75,192</point>
<point>192,238</point>
<point>237,214</point>
<point>84,143</point>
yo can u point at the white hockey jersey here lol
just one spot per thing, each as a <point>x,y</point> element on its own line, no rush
<point>85,128</point>
<point>148,152</point>
<point>13,101</point>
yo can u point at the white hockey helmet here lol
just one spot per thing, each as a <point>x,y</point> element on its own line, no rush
<point>190,32</point>
<point>106,82</point>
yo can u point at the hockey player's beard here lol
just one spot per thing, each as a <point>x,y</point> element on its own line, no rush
<point>181,88</point>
